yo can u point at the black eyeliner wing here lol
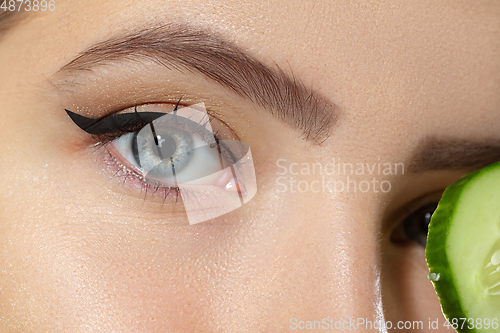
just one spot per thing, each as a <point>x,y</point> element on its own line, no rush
<point>113,122</point>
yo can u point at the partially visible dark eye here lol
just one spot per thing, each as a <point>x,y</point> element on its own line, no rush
<point>415,225</point>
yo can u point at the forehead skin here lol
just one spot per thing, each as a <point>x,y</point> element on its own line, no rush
<point>399,71</point>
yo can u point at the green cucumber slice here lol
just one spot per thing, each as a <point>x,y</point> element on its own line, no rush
<point>463,251</point>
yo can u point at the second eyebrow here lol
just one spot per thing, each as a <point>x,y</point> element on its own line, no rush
<point>181,46</point>
<point>454,154</point>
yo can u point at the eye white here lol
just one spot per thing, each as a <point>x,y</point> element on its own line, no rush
<point>123,145</point>
<point>202,162</point>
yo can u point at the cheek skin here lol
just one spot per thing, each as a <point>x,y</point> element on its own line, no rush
<point>404,282</point>
<point>119,276</point>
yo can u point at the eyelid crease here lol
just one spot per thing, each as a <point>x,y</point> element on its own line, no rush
<point>117,124</point>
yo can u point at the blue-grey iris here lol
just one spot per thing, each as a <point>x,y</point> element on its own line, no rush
<point>168,153</point>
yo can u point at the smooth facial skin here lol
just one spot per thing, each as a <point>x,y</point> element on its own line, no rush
<point>81,250</point>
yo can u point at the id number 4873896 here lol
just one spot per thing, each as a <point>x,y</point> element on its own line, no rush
<point>28,5</point>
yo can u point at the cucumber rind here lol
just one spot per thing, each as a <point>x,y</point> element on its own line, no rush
<point>435,251</point>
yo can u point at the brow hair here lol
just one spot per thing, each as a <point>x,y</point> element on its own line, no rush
<point>8,19</point>
<point>182,47</point>
<point>453,154</point>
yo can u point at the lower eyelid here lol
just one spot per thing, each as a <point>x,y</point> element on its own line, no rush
<point>128,180</point>
<point>121,168</point>
<point>170,203</point>
<point>133,170</point>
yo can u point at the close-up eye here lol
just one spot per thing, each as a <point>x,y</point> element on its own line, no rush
<point>415,222</point>
<point>416,225</point>
<point>185,151</point>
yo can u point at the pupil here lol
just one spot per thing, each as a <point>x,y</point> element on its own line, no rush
<point>427,212</point>
<point>166,146</point>
<point>416,225</point>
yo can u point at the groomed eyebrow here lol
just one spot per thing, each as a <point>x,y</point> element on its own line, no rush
<point>446,154</point>
<point>183,47</point>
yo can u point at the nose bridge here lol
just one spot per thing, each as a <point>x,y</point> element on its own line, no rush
<point>355,267</point>
<point>333,247</point>
<point>331,282</point>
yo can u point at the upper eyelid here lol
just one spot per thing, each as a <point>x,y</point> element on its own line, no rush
<point>418,203</point>
<point>117,124</point>
<point>111,123</point>
<point>397,214</point>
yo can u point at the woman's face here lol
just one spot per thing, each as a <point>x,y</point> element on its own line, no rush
<point>357,114</point>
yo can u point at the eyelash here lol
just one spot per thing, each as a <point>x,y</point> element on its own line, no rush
<point>128,174</point>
